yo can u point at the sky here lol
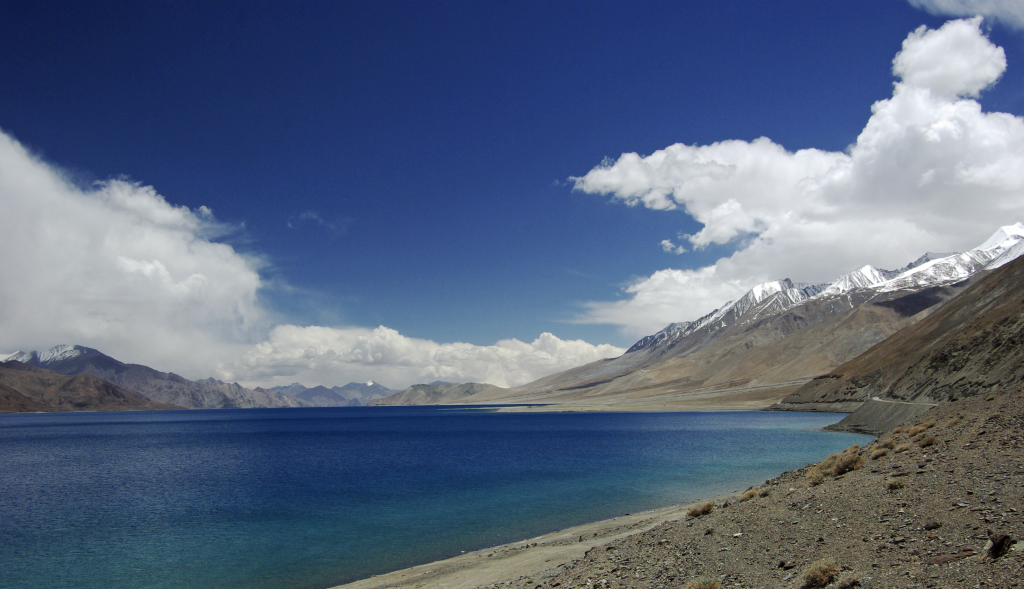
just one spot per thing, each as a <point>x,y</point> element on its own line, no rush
<point>328,192</point>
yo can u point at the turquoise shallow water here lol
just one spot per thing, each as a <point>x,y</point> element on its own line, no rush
<point>310,498</point>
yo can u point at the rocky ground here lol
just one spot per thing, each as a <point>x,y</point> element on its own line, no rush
<point>919,510</point>
<point>918,516</point>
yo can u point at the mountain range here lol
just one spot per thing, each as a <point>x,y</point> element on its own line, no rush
<point>353,394</point>
<point>758,349</point>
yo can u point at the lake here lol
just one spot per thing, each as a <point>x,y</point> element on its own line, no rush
<point>311,498</point>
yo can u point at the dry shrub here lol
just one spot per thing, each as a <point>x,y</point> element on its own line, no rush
<point>750,494</point>
<point>920,428</point>
<point>926,441</point>
<point>815,477</point>
<point>703,583</point>
<point>880,452</point>
<point>897,430</point>
<point>894,485</point>
<point>888,443</point>
<point>848,581</point>
<point>901,448</point>
<point>701,510</point>
<point>847,462</point>
<point>820,573</point>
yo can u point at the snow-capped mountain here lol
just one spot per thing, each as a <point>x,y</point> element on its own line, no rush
<point>54,354</point>
<point>930,270</point>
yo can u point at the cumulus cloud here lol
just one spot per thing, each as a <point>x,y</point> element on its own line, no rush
<point>668,247</point>
<point>1010,12</point>
<point>118,268</point>
<point>930,171</point>
<point>326,355</point>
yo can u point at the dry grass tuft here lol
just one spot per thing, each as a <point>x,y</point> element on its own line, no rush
<point>902,448</point>
<point>880,452</point>
<point>750,494</point>
<point>703,583</point>
<point>814,477</point>
<point>848,581</point>
<point>847,462</point>
<point>926,441</point>
<point>701,510</point>
<point>820,573</point>
<point>897,430</point>
<point>888,443</point>
<point>920,428</point>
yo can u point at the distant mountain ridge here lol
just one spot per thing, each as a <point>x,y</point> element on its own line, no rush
<point>353,394</point>
<point>776,337</point>
<point>25,388</point>
<point>436,393</point>
<point>155,386</point>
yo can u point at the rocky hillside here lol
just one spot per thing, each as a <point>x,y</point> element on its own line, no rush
<point>971,345</point>
<point>25,388</point>
<point>159,387</point>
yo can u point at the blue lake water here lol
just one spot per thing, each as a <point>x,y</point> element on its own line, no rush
<point>310,498</point>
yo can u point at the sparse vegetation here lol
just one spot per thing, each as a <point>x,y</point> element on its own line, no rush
<point>878,453</point>
<point>901,448</point>
<point>701,510</point>
<point>920,428</point>
<point>894,485</point>
<point>847,462</point>
<point>848,581</point>
<point>820,573</point>
<point>814,477</point>
<point>703,583</point>
<point>897,430</point>
<point>750,494</point>
<point>762,493</point>
<point>926,441</point>
<point>888,443</point>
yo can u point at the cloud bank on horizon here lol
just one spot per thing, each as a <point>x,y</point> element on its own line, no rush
<point>929,171</point>
<point>120,269</point>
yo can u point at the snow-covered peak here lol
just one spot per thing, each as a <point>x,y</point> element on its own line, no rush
<point>60,352</point>
<point>1005,233</point>
<point>862,277</point>
<point>369,383</point>
<point>54,354</point>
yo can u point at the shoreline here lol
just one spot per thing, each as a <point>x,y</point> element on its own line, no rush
<point>536,558</point>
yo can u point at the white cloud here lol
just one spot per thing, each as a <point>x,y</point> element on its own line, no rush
<point>668,247</point>
<point>1009,11</point>
<point>930,171</point>
<point>118,268</point>
<point>325,355</point>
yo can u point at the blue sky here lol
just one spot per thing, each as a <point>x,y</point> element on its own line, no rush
<point>410,164</point>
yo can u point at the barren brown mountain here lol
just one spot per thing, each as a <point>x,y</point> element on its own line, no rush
<point>971,345</point>
<point>26,388</point>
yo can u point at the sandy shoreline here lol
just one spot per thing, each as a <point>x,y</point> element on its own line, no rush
<point>538,558</point>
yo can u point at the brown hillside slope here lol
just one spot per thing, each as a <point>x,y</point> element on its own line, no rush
<point>48,391</point>
<point>971,345</point>
<point>749,365</point>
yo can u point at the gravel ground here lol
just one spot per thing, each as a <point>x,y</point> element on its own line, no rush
<point>918,516</point>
